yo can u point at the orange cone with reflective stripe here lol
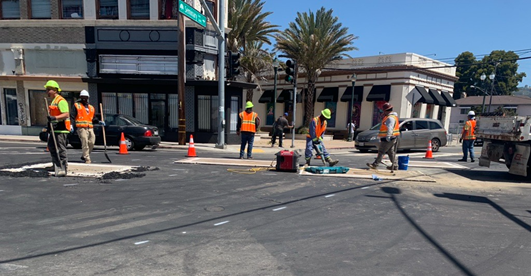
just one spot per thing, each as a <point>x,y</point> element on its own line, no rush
<point>191,148</point>
<point>123,146</point>
<point>429,153</point>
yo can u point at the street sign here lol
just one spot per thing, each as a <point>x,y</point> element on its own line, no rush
<point>192,13</point>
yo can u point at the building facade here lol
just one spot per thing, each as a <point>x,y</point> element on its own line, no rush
<point>123,52</point>
<point>415,85</point>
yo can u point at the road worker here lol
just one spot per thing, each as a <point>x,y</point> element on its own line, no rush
<point>315,136</point>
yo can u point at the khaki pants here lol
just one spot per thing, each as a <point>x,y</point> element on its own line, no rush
<point>87,137</point>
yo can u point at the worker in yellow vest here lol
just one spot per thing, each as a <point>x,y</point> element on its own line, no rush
<point>468,137</point>
<point>83,116</point>
<point>315,136</point>
<point>59,118</point>
<point>248,123</point>
<point>389,132</point>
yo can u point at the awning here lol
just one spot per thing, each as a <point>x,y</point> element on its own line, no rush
<point>286,96</point>
<point>379,93</point>
<point>329,94</point>
<point>358,94</point>
<point>449,99</point>
<point>267,97</point>
<point>439,100</point>
<point>425,97</point>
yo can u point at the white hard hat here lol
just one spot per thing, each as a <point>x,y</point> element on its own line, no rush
<point>84,93</point>
<point>471,113</point>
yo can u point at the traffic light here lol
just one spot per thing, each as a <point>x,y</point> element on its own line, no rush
<point>290,71</point>
<point>233,64</point>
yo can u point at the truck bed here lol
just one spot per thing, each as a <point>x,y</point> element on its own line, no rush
<point>504,128</point>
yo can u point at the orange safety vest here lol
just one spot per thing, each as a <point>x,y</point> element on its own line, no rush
<point>383,127</point>
<point>320,127</point>
<point>248,121</point>
<point>468,130</point>
<point>84,118</point>
<point>63,124</point>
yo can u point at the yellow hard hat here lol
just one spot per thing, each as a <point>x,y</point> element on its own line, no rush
<point>327,113</point>
<point>249,105</point>
<point>54,84</point>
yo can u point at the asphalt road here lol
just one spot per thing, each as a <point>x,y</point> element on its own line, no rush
<point>215,220</point>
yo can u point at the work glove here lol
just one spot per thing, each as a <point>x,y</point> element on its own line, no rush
<point>388,138</point>
<point>316,141</point>
<point>102,123</point>
<point>51,118</point>
<point>71,128</point>
<point>460,140</point>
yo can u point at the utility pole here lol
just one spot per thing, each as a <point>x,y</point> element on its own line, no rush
<point>221,76</point>
<point>181,79</point>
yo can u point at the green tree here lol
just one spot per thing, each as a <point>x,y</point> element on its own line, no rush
<point>503,64</point>
<point>314,40</point>
<point>249,32</point>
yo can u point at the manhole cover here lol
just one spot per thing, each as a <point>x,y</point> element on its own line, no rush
<point>215,209</point>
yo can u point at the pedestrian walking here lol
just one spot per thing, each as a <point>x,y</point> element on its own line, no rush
<point>468,137</point>
<point>248,123</point>
<point>83,116</point>
<point>278,129</point>
<point>389,132</point>
<point>351,127</point>
<point>315,136</point>
<point>59,120</point>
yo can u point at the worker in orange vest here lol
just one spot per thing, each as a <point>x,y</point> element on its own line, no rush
<point>83,116</point>
<point>468,137</point>
<point>388,134</point>
<point>60,119</point>
<point>248,123</point>
<point>314,138</point>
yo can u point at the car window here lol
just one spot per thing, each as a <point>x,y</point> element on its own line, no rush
<point>435,125</point>
<point>376,127</point>
<point>121,122</point>
<point>419,125</point>
<point>406,126</point>
<point>110,120</point>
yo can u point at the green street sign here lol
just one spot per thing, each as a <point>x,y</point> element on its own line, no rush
<point>192,13</point>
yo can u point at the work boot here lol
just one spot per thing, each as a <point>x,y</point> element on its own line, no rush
<point>308,159</point>
<point>392,168</point>
<point>331,162</point>
<point>87,161</point>
<point>372,166</point>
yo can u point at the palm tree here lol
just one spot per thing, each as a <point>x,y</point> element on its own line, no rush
<point>255,62</point>
<point>314,40</point>
<point>247,23</point>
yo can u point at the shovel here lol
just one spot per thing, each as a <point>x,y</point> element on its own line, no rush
<point>54,142</point>
<point>104,137</point>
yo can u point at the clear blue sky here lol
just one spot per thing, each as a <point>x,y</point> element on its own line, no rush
<point>439,29</point>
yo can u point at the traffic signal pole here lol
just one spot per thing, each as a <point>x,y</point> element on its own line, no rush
<point>295,67</point>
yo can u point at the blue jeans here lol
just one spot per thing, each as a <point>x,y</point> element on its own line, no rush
<point>468,146</point>
<point>247,137</point>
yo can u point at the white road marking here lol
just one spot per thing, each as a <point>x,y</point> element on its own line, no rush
<point>365,188</point>
<point>220,223</point>
<point>330,195</point>
<point>184,232</point>
<point>141,242</point>
<point>121,179</point>
<point>135,159</point>
<point>173,175</point>
<point>277,209</point>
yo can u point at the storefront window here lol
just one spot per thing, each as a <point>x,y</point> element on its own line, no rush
<point>109,103</point>
<point>207,115</point>
<point>125,104</point>
<point>141,107</point>
<point>132,104</point>
<point>173,108</point>
<point>39,109</point>
<point>11,106</point>
<point>234,103</point>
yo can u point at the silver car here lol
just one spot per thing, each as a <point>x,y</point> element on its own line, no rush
<point>415,133</point>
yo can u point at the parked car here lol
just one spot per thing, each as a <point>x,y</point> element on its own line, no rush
<point>137,135</point>
<point>415,133</point>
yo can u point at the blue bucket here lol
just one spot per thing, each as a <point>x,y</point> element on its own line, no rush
<point>403,162</point>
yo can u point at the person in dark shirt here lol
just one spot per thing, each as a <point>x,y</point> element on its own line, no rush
<point>278,129</point>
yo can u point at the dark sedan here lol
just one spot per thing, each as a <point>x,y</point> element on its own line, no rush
<point>137,135</point>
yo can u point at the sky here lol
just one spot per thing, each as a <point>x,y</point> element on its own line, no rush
<point>438,29</point>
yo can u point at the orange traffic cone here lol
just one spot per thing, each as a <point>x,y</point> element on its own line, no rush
<point>429,153</point>
<point>191,147</point>
<point>123,146</point>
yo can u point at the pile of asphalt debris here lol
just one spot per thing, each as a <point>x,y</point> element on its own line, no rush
<point>136,172</point>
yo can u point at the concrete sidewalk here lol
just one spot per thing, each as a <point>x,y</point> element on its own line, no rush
<point>260,145</point>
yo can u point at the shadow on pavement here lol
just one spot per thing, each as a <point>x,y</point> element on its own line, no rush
<point>489,175</point>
